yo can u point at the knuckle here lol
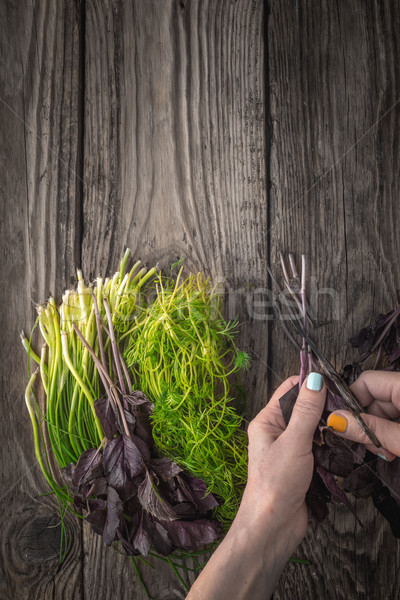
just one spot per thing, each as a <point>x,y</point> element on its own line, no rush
<point>252,427</point>
<point>366,374</point>
<point>371,423</point>
<point>304,406</point>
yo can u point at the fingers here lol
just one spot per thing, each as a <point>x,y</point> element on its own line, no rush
<point>307,413</point>
<point>378,385</point>
<point>387,432</point>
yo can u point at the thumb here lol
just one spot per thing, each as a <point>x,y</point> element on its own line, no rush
<point>307,412</point>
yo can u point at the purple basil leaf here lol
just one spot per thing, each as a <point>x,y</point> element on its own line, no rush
<point>131,422</point>
<point>359,452</point>
<point>88,467</point>
<point>337,455</point>
<point>68,473</point>
<point>95,504</point>
<point>80,503</point>
<point>114,512</point>
<point>122,462</point>
<point>195,490</point>
<point>288,401</point>
<point>165,468</point>
<point>193,535</point>
<point>158,535</point>
<point>367,336</point>
<point>137,398</point>
<point>127,546</point>
<point>364,339</point>
<point>97,520</point>
<point>170,490</point>
<point>147,532</point>
<point>186,511</point>
<point>106,414</point>
<point>99,487</point>
<point>150,499</point>
<point>143,448</point>
<point>141,537</point>
<point>362,482</point>
<point>339,463</point>
<point>336,491</point>
<point>132,507</point>
<point>316,499</point>
<point>143,428</point>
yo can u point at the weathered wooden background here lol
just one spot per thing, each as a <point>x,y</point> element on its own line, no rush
<point>218,130</point>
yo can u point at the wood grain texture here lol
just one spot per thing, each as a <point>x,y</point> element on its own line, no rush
<point>39,151</point>
<point>175,167</point>
<point>334,93</point>
<point>142,123</point>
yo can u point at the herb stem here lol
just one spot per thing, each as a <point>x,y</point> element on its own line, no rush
<point>74,372</point>
<point>114,346</point>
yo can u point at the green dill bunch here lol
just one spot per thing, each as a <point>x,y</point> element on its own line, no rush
<point>183,355</point>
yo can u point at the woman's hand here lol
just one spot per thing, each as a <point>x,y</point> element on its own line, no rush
<point>272,518</point>
<point>281,460</point>
<point>379,392</point>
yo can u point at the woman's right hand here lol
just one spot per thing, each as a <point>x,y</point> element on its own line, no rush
<point>379,393</point>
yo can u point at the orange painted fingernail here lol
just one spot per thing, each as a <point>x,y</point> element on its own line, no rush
<point>337,422</point>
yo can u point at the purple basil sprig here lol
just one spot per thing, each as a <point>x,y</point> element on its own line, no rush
<point>127,493</point>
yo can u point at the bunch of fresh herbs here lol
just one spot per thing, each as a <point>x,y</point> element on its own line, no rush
<point>138,411</point>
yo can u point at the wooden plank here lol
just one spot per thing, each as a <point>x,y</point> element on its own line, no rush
<point>39,156</point>
<point>334,83</point>
<point>175,167</point>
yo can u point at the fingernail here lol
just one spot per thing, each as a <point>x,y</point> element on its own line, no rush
<point>314,382</point>
<point>337,422</point>
<point>382,456</point>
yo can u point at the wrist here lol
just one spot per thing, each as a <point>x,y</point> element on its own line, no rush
<point>270,524</point>
<point>251,557</point>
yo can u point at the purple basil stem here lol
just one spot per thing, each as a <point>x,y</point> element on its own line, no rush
<point>114,346</point>
<point>99,333</point>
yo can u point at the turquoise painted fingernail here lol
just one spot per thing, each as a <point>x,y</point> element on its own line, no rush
<point>382,456</point>
<point>314,382</point>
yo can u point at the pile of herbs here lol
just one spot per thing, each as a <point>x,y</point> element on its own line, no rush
<point>341,466</point>
<point>138,411</point>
